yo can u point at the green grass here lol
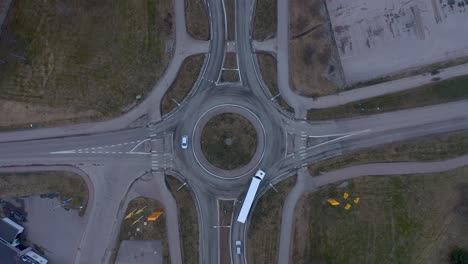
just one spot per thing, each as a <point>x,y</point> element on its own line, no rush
<point>196,17</point>
<point>83,54</point>
<point>265,19</point>
<point>66,184</point>
<point>183,84</point>
<point>436,93</point>
<point>264,230</point>
<point>399,219</point>
<point>188,220</point>
<point>431,148</point>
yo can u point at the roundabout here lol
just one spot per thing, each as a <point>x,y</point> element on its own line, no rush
<point>228,141</point>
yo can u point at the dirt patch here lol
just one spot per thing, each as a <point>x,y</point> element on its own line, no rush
<point>264,230</point>
<point>134,228</point>
<point>436,93</point>
<point>83,56</point>
<point>230,76</point>
<point>183,84</point>
<point>196,17</point>
<point>315,67</point>
<point>230,61</point>
<point>267,64</point>
<point>65,185</point>
<point>399,219</point>
<point>265,19</point>
<point>225,217</point>
<point>188,220</point>
<point>430,148</point>
<point>230,8</point>
<point>14,114</point>
<point>229,141</point>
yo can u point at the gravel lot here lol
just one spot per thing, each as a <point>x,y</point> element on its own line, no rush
<point>384,37</point>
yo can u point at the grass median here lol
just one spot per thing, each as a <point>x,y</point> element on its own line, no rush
<point>264,230</point>
<point>435,93</point>
<point>431,148</point>
<point>267,64</point>
<point>188,220</point>
<point>183,84</point>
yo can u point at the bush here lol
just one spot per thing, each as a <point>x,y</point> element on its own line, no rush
<point>459,256</point>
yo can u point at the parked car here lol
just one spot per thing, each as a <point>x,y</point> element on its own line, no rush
<point>16,216</point>
<point>239,247</point>
<point>185,142</point>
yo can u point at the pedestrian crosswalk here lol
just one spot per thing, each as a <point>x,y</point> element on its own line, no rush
<point>163,161</point>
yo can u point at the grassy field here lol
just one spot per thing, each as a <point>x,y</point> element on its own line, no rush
<point>196,17</point>
<point>444,146</point>
<point>267,64</point>
<point>399,219</point>
<point>265,19</point>
<point>183,84</point>
<point>188,220</point>
<point>229,141</point>
<point>83,57</point>
<point>314,62</point>
<point>225,216</point>
<point>66,184</point>
<point>152,231</point>
<point>263,235</point>
<point>436,93</point>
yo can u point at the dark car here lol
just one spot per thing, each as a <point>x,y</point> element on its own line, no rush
<point>16,216</point>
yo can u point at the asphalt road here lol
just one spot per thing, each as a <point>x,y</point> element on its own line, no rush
<point>116,156</point>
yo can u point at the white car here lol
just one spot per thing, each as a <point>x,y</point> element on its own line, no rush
<point>239,247</point>
<point>185,142</point>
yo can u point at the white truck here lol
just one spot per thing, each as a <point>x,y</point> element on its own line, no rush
<point>249,198</point>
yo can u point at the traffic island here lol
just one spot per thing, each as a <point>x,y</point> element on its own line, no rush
<point>229,141</point>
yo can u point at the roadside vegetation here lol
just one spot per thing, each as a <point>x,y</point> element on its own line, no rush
<point>314,62</point>
<point>229,141</point>
<point>196,17</point>
<point>435,93</point>
<point>267,65</point>
<point>265,19</point>
<point>79,59</point>
<point>135,229</point>
<point>430,148</point>
<point>183,84</point>
<point>399,219</point>
<point>225,215</point>
<point>230,7</point>
<point>263,235</point>
<point>66,184</point>
<point>188,220</point>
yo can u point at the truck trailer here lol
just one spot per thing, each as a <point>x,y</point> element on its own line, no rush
<point>249,198</point>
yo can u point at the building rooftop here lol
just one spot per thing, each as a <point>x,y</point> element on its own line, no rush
<point>9,230</point>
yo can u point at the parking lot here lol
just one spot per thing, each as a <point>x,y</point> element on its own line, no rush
<point>50,229</point>
<point>383,37</point>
